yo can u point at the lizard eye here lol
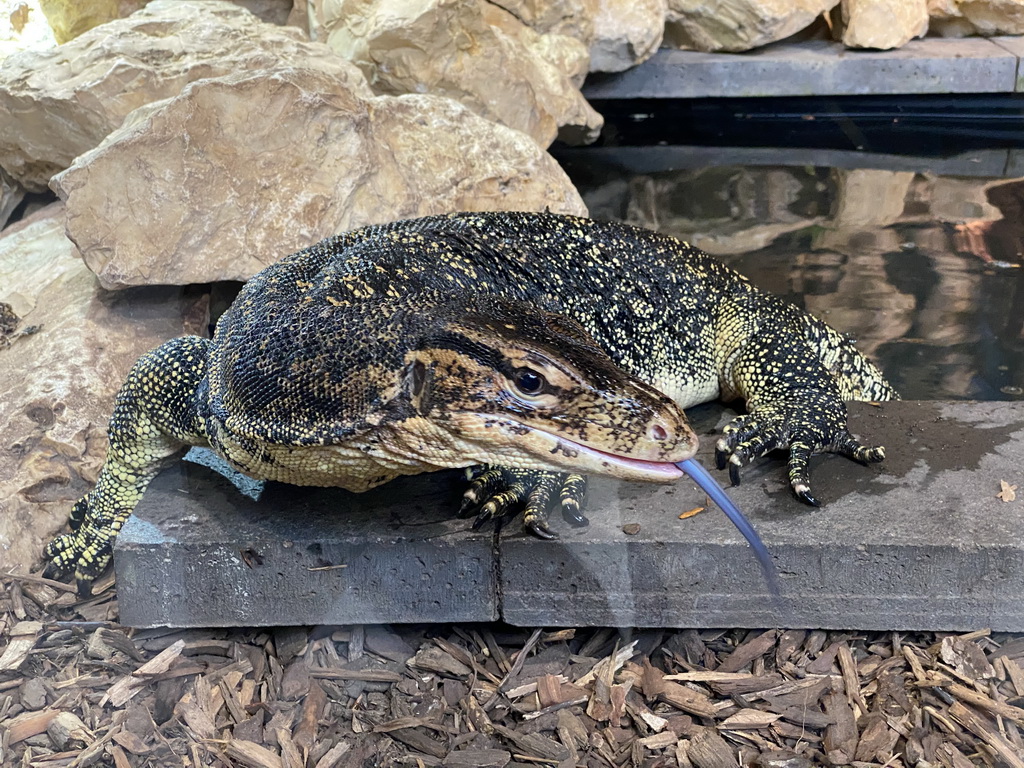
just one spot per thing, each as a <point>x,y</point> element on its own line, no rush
<point>528,382</point>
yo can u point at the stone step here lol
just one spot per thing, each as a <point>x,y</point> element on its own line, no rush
<point>821,68</point>
<point>919,542</point>
<point>1006,163</point>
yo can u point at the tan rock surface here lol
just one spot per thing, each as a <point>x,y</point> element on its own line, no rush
<point>566,54</point>
<point>59,103</point>
<point>738,25</point>
<point>55,405</point>
<point>883,24</point>
<point>995,17</point>
<point>70,18</point>
<point>626,33</point>
<point>236,172</point>
<point>11,195</point>
<point>447,48</point>
<point>574,18</point>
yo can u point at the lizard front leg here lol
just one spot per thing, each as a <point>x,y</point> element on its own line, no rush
<point>794,401</point>
<point>495,492</point>
<point>155,417</point>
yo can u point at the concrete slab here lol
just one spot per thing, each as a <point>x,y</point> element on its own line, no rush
<point>980,163</point>
<point>917,542</point>
<point>1015,45</point>
<point>817,68</point>
<point>202,552</point>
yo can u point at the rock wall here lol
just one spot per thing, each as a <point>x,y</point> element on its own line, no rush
<point>56,104</point>
<point>241,170</point>
<point>883,24</point>
<point>738,25</point>
<point>626,33</point>
<point>54,412</point>
<point>477,54</point>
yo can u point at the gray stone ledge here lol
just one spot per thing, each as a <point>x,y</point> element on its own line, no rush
<point>820,68</point>
<point>917,542</point>
<point>979,163</point>
<point>201,552</point>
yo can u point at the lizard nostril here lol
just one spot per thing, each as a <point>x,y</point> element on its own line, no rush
<point>658,433</point>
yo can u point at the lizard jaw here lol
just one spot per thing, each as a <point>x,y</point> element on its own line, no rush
<point>561,454</point>
<point>653,471</point>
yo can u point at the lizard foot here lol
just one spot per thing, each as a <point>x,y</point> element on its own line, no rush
<point>87,550</point>
<point>801,428</point>
<point>499,491</point>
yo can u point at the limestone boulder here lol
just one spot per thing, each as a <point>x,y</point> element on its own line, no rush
<point>945,19</point>
<point>994,17</point>
<point>738,25</point>
<point>56,104</point>
<point>54,410</point>
<point>447,48</point>
<point>70,18</point>
<point>574,18</point>
<point>236,172</point>
<point>566,54</point>
<point>883,24</point>
<point>626,33</point>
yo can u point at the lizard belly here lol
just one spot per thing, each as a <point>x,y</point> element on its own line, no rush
<point>358,464</point>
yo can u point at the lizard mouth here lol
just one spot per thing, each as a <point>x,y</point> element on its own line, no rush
<point>569,455</point>
<point>617,465</point>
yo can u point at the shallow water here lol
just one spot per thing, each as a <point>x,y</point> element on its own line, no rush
<point>918,258</point>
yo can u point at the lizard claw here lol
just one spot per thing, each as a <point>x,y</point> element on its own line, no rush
<point>734,470</point>
<point>721,454</point>
<point>805,496</point>
<point>540,529</point>
<point>498,491</point>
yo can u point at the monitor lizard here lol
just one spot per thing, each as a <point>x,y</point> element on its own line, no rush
<point>536,347</point>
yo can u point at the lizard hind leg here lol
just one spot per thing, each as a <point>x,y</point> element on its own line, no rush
<point>156,416</point>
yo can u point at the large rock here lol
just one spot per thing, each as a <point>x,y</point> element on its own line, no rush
<point>566,54</point>
<point>71,18</point>
<point>574,18</point>
<point>994,17</point>
<point>236,172</point>
<point>738,25</point>
<point>945,19</point>
<point>56,104</point>
<point>626,33</point>
<point>447,48</point>
<point>883,24</point>
<point>959,18</point>
<point>54,409</point>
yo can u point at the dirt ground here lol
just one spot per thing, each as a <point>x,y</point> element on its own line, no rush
<point>78,689</point>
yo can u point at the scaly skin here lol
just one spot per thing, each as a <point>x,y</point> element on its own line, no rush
<point>402,348</point>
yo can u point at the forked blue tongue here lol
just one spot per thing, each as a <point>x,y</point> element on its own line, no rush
<point>714,491</point>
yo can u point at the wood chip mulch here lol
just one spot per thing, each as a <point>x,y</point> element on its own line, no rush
<point>77,689</point>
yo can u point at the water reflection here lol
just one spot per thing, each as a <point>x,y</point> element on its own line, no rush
<point>922,269</point>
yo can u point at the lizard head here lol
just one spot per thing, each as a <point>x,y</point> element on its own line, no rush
<point>518,386</point>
